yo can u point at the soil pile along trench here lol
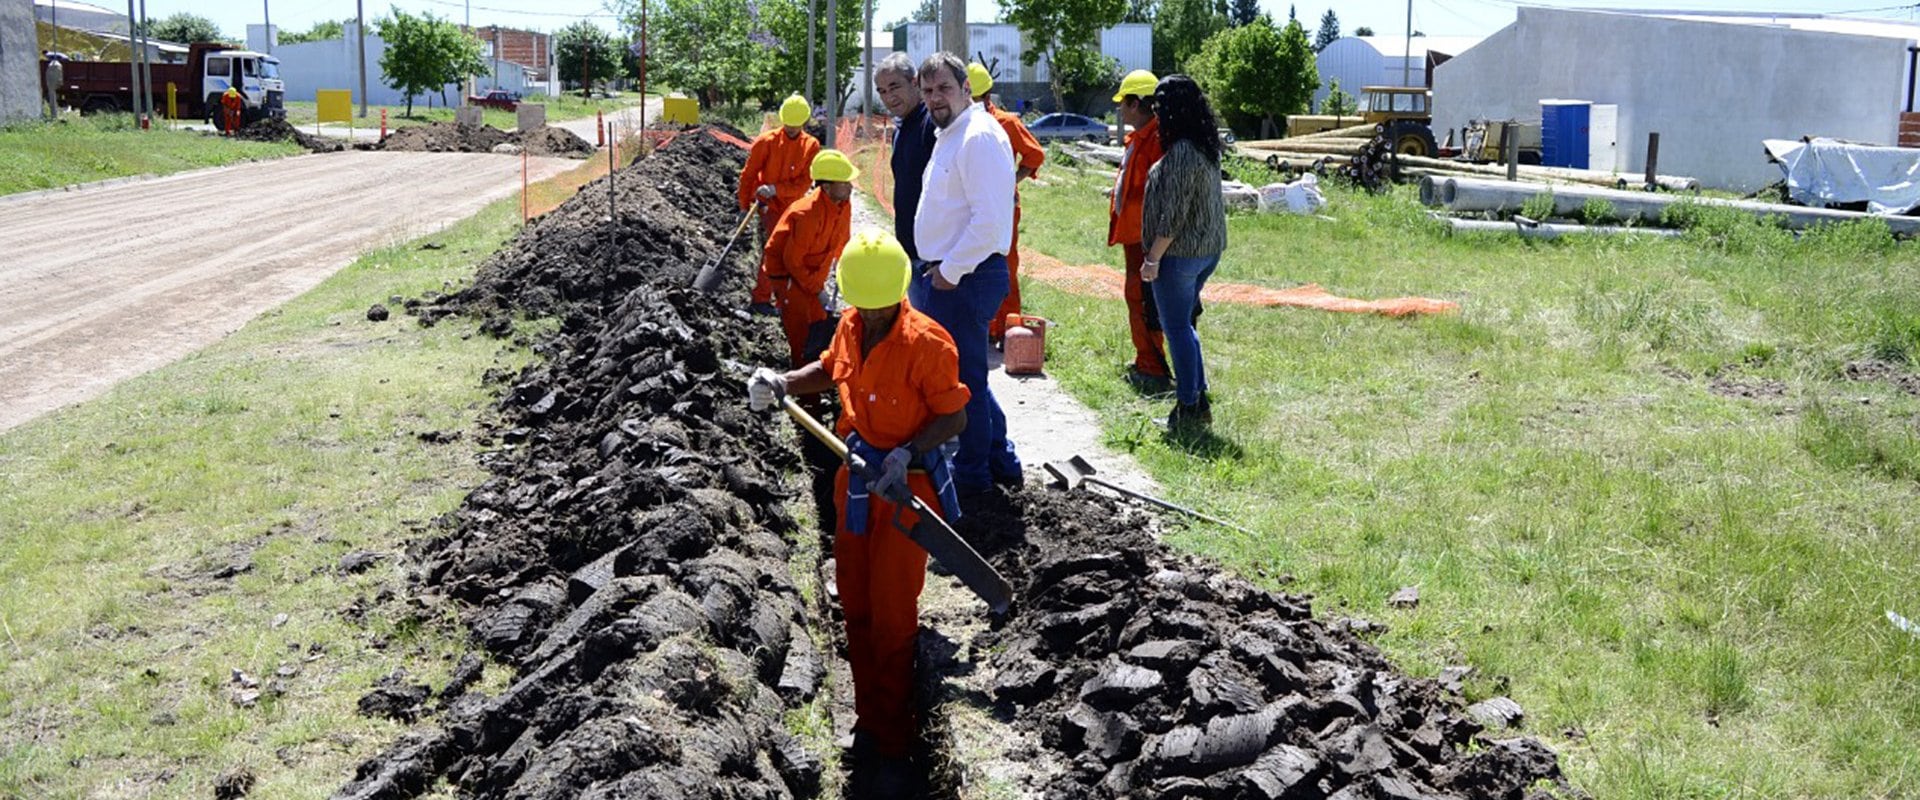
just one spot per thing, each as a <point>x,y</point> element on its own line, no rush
<point>629,559</point>
<point>446,137</point>
<point>279,130</point>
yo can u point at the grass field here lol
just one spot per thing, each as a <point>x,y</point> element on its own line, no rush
<point>76,149</point>
<point>190,523</point>
<point>1633,480</point>
<point>304,113</point>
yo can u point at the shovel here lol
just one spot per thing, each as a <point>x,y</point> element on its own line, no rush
<point>710,275</point>
<point>1076,471</point>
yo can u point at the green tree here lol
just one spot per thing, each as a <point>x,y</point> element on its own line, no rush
<point>1056,29</point>
<point>928,11</point>
<point>1085,75</point>
<point>786,36</point>
<point>1257,74</point>
<point>1329,31</point>
<point>184,28</point>
<point>1180,27</point>
<point>321,31</point>
<point>1339,103</point>
<point>1242,12</point>
<point>585,51</point>
<point>1141,11</point>
<point>425,53</point>
<point>715,50</point>
<point>1363,31</point>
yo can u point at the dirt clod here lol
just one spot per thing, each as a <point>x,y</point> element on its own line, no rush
<point>233,784</point>
<point>393,697</point>
<point>377,313</point>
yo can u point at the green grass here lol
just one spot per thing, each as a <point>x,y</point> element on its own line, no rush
<point>1685,590</point>
<point>76,149</point>
<point>286,445</point>
<point>304,113</point>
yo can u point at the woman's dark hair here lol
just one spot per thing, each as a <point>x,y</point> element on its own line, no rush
<point>1185,114</point>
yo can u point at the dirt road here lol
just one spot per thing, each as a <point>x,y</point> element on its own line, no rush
<point>99,285</point>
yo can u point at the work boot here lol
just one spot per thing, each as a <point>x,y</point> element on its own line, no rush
<point>892,778</point>
<point>1148,384</point>
<point>1190,418</point>
<point>763,309</point>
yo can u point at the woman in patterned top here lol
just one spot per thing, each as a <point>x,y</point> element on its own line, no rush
<point>1184,223</point>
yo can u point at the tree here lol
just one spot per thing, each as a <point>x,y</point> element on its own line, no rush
<point>786,40</point>
<point>1256,73</point>
<point>1329,31</point>
<point>1339,103</point>
<point>1084,75</point>
<point>1363,31</point>
<point>1179,28</point>
<point>584,52</point>
<point>1141,11</point>
<point>1242,12</point>
<point>321,31</point>
<point>184,28</point>
<point>425,53</point>
<point>1056,29</point>
<point>715,50</point>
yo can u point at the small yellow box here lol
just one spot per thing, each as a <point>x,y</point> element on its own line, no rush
<point>335,105</point>
<point>680,108</point>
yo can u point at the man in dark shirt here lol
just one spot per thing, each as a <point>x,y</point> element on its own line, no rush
<point>897,81</point>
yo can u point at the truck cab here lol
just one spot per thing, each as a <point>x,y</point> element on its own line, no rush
<point>256,74</point>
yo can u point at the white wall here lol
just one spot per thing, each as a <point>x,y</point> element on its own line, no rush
<point>1130,44</point>
<point>332,64</point>
<point>1712,90</point>
<point>19,61</point>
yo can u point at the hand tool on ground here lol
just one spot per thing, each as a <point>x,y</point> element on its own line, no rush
<point>1076,471</point>
<point>931,532</point>
<point>710,273</point>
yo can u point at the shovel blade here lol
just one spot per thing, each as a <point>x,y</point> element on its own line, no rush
<point>1065,474</point>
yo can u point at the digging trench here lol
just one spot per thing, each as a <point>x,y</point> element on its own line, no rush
<point>647,564</point>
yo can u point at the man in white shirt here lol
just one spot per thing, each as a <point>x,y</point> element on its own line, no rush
<point>963,227</point>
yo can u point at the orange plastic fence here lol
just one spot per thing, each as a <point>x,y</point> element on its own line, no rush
<point>1102,281</point>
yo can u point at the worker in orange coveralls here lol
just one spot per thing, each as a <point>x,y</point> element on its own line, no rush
<point>898,374</point>
<point>1028,155</point>
<point>234,104</point>
<point>804,244</point>
<point>1149,371</point>
<point>777,173</point>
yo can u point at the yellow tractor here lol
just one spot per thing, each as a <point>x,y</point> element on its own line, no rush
<point>1402,114</point>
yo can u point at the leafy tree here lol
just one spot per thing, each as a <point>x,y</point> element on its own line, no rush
<point>584,51</point>
<point>425,53</point>
<point>1363,31</point>
<point>1256,73</point>
<point>1242,12</point>
<point>715,50</point>
<point>786,40</point>
<point>1141,11</point>
<point>184,28</point>
<point>1329,31</point>
<point>1339,103</point>
<point>1058,30</point>
<point>1180,27</point>
<point>929,11</point>
<point>1085,75</point>
<point>321,31</point>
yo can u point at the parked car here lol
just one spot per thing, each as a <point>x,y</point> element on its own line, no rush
<point>497,98</point>
<point>1062,125</point>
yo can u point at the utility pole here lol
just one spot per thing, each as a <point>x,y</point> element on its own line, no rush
<point>953,27</point>
<point>56,25</point>
<point>360,30</point>
<point>833,71</point>
<point>495,47</point>
<point>133,60</point>
<point>146,68</point>
<point>1406,62</point>
<point>811,37</point>
<point>866,57</point>
<point>266,23</point>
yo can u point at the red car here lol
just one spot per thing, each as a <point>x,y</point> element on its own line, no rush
<point>498,98</point>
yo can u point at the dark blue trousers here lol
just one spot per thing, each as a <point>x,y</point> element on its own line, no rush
<point>985,453</point>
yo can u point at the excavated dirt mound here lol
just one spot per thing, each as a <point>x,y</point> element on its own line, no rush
<point>629,559</point>
<point>279,130</point>
<point>446,137</point>
<point>547,140</point>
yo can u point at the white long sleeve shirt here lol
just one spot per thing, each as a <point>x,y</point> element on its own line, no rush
<point>966,205</point>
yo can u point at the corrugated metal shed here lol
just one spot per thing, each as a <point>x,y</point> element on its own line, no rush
<point>1129,43</point>
<point>1358,61</point>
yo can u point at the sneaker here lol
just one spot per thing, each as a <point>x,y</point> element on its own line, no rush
<point>1148,384</point>
<point>763,309</point>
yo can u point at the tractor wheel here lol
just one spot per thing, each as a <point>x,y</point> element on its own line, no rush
<point>1413,139</point>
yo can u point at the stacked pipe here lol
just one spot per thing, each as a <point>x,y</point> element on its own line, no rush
<point>1469,195</point>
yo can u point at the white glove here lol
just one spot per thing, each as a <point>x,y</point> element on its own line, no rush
<point>893,474</point>
<point>765,389</point>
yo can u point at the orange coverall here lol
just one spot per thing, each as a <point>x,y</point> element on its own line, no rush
<point>1027,154</point>
<point>1123,228</point>
<point>785,164</point>
<point>234,104</point>
<point>889,396</point>
<point>799,260</point>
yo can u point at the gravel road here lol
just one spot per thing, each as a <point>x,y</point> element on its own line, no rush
<point>98,285</point>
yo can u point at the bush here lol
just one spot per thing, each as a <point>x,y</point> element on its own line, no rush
<point>1539,206</point>
<point>1597,210</point>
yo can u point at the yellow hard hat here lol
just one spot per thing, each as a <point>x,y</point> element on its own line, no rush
<point>979,81</point>
<point>833,165</point>
<point>795,111</point>
<point>1139,83</point>
<point>873,270</point>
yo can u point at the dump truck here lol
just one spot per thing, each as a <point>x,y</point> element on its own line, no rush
<point>97,87</point>
<point>1404,114</point>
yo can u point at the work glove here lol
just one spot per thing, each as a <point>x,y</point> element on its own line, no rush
<point>766,191</point>
<point>826,299</point>
<point>765,389</point>
<point>892,483</point>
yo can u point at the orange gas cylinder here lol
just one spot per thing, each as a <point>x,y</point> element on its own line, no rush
<point>1025,344</point>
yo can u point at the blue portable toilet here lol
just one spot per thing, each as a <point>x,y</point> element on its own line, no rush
<point>1565,127</point>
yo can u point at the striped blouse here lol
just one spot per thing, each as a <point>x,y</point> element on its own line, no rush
<point>1183,201</point>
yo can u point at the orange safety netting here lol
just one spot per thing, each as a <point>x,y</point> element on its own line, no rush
<point>868,140</point>
<point>1103,281</point>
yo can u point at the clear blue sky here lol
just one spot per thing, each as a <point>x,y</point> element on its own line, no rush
<point>1386,17</point>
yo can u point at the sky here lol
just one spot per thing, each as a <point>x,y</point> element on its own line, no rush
<point>1386,17</point>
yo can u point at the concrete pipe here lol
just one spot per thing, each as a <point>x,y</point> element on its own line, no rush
<point>1544,231</point>
<point>1465,195</point>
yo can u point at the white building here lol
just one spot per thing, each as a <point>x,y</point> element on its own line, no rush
<point>332,64</point>
<point>1712,86</point>
<point>1360,61</point>
<point>999,46</point>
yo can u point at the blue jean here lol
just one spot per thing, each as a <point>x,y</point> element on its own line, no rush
<point>965,312</point>
<point>1177,292</point>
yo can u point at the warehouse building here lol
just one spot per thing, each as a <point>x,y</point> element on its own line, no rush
<point>1361,61</point>
<point>333,64</point>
